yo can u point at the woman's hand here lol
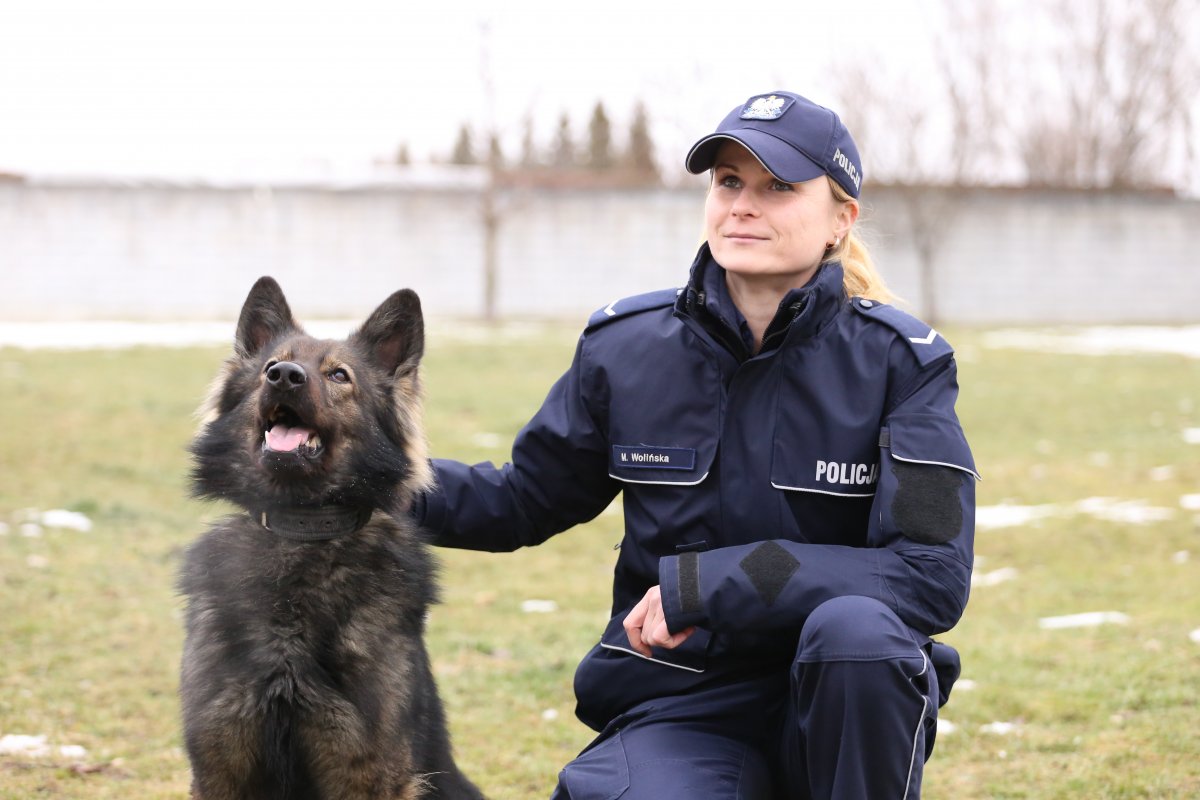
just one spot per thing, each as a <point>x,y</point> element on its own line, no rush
<point>646,626</point>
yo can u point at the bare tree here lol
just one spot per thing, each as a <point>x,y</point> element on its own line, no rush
<point>904,143</point>
<point>1110,107</point>
<point>1122,115</point>
<point>490,212</point>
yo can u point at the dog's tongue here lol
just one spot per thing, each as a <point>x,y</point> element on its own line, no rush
<point>285,439</point>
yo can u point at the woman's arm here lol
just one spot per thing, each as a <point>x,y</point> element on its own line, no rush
<point>557,478</point>
<point>919,545</point>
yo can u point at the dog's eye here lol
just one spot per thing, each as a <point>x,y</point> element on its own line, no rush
<point>339,375</point>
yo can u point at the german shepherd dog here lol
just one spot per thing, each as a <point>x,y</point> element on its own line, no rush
<point>305,675</point>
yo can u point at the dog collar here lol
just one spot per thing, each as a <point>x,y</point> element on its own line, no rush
<point>312,524</point>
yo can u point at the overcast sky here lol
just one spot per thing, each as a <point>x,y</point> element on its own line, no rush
<point>185,85</point>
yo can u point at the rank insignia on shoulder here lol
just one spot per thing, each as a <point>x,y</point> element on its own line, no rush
<point>926,343</point>
<point>632,305</point>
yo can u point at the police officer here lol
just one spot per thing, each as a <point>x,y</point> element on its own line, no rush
<point>798,496</point>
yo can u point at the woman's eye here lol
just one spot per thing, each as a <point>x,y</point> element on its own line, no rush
<point>780,186</point>
<point>339,375</point>
<point>729,182</point>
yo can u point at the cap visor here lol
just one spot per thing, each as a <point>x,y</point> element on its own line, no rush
<point>780,159</point>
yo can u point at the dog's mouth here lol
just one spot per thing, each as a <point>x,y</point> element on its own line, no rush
<point>286,432</point>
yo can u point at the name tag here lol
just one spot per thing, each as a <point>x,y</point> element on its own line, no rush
<point>655,457</point>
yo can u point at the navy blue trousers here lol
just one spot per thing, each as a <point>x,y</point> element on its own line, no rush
<point>855,719</point>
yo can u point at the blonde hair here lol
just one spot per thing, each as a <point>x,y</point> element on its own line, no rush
<point>860,278</point>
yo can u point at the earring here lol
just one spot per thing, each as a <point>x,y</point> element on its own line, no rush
<point>836,241</point>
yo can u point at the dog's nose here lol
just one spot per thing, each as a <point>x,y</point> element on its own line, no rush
<point>286,375</point>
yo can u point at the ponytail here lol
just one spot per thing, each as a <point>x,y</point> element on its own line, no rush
<point>861,278</point>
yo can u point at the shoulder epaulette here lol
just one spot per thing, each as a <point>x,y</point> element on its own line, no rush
<point>927,344</point>
<point>633,305</point>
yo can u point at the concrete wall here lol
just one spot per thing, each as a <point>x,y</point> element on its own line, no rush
<point>78,249</point>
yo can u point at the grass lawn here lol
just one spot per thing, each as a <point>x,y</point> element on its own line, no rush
<point>90,622</point>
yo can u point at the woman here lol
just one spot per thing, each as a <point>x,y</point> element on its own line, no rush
<point>798,496</point>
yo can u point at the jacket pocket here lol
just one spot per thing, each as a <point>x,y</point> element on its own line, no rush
<point>927,487</point>
<point>841,466</point>
<point>599,773</point>
<point>930,439</point>
<point>691,655</point>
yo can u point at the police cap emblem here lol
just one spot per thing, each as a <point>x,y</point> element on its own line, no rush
<point>767,106</point>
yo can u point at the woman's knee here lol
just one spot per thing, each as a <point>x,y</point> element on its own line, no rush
<point>666,762</point>
<point>854,628</point>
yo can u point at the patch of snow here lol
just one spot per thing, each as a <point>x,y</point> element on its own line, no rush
<point>1163,473</point>
<point>1195,636</point>
<point>489,440</point>
<point>994,577</point>
<point>999,728</point>
<point>1134,512</point>
<point>30,530</point>
<point>550,714</point>
<point>1181,557</point>
<point>16,744</point>
<point>539,606</point>
<point>115,334</point>
<point>1104,340</point>
<point>1191,435</point>
<point>1007,515</point>
<point>60,518</point>
<point>965,684</point>
<point>1190,502</point>
<point>1089,619</point>
<point>1110,509</point>
<point>945,727</point>
<point>118,334</point>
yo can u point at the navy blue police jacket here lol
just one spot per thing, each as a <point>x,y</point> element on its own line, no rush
<point>755,486</point>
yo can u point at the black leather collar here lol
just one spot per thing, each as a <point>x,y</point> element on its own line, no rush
<point>312,524</point>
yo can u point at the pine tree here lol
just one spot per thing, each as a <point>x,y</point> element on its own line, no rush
<point>639,158</point>
<point>529,158</point>
<point>464,152</point>
<point>599,140</point>
<point>564,148</point>
<point>495,152</point>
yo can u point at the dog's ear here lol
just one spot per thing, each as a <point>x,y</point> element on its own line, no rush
<point>394,334</point>
<point>265,316</point>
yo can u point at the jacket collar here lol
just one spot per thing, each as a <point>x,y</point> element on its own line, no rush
<point>802,312</point>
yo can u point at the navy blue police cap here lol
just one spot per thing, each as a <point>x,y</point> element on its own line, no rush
<point>794,138</point>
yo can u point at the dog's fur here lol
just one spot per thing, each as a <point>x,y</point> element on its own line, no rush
<point>305,675</point>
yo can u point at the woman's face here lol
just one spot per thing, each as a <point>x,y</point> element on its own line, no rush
<point>760,227</point>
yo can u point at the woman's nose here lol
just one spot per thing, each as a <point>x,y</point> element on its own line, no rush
<point>744,204</point>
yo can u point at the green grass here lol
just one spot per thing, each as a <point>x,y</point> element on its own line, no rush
<point>90,622</point>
